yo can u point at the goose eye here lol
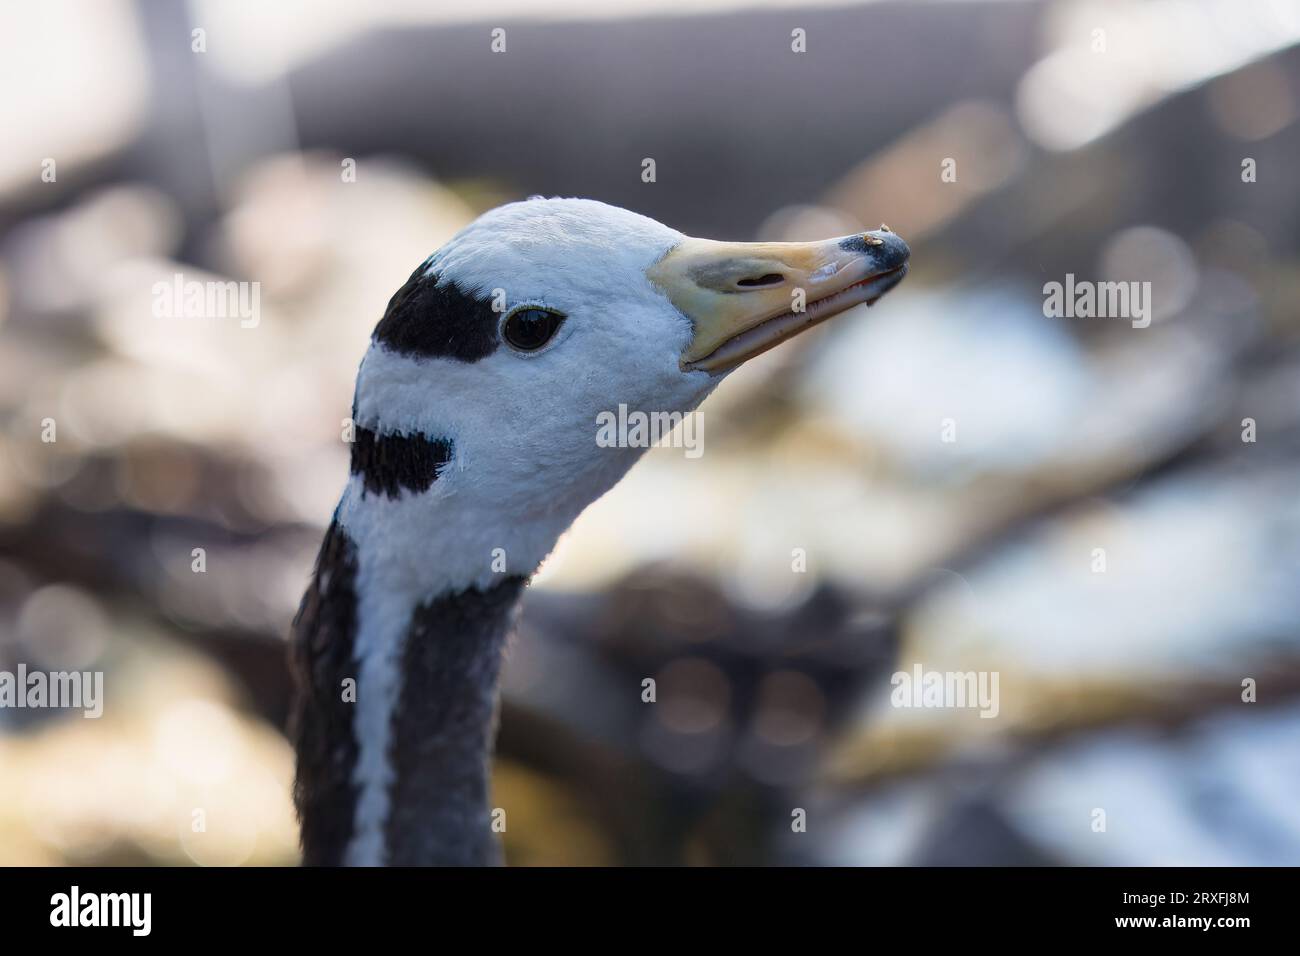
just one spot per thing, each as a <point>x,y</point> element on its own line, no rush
<point>527,330</point>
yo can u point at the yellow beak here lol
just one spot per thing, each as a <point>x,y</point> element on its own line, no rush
<point>746,297</point>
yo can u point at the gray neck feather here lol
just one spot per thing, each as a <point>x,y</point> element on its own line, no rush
<point>443,729</point>
<point>442,725</point>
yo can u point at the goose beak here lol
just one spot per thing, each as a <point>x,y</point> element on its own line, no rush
<point>747,297</point>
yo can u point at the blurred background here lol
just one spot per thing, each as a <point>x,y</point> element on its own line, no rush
<point>1103,138</point>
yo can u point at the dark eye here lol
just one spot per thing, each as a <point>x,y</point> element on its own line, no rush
<point>527,330</point>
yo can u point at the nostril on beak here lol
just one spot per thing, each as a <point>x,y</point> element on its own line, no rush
<point>758,282</point>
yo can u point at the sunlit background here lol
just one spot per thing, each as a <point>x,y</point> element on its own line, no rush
<point>1103,138</point>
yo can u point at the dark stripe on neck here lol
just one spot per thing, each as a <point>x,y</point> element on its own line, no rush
<point>444,727</point>
<point>322,656</point>
<point>428,320</point>
<point>390,463</point>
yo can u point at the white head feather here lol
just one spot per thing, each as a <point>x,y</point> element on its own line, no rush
<point>524,425</point>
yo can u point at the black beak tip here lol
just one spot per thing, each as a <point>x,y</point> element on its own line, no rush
<point>886,248</point>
